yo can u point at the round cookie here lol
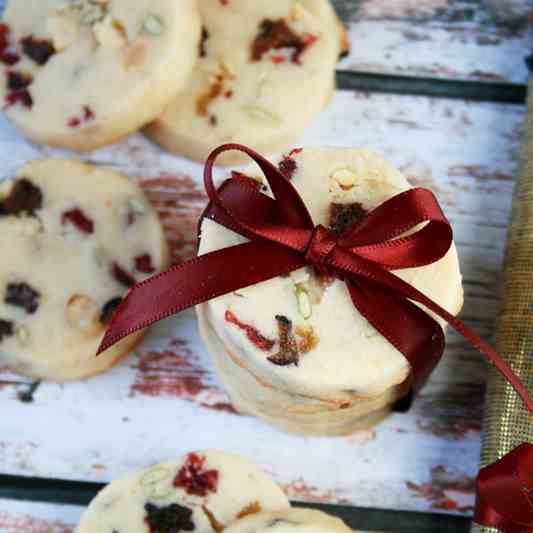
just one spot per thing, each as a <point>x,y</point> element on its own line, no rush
<point>78,237</point>
<point>202,492</point>
<point>81,74</point>
<point>294,350</point>
<point>266,69</point>
<point>291,521</point>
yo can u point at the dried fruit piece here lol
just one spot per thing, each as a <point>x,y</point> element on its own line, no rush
<point>253,508</point>
<point>214,91</point>
<point>194,478</point>
<point>342,216</point>
<point>203,41</point>
<point>276,35</point>
<point>17,81</point>
<point>170,519</point>
<point>143,263</point>
<point>260,341</point>
<point>288,167</point>
<point>288,347</point>
<point>78,218</point>
<point>7,57</point>
<point>39,50</point>
<point>108,309</point>
<point>304,302</point>
<point>22,97</point>
<point>122,276</point>
<point>87,116</point>
<point>24,198</point>
<point>22,295</point>
<point>215,524</point>
<point>6,329</point>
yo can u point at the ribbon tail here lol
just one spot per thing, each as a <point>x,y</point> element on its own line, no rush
<point>196,281</point>
<point>405,325</point>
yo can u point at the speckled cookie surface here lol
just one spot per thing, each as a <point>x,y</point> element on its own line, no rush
<point>266,69</point>
<point>202,492</point>
<point>291,521</point>
<point>83,73</point>
<point>77,238</point>
<point>301,334</point>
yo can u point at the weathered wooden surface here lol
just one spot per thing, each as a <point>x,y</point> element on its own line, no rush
<point>166,400</point>
<point>17,517</point>
<point>470,39</point>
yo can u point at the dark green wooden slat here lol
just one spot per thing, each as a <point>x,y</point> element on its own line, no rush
<point>64,492</point>
<point>437,88</point>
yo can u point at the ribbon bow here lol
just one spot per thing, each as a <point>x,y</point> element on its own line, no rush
<point>407,231</point>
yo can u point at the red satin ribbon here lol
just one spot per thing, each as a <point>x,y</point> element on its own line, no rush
<point>283,238</point>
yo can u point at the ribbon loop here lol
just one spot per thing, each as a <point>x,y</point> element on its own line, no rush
<point>321,244</point>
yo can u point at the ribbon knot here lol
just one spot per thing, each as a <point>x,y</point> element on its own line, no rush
<point>407,231</point>
<point>321,244</point>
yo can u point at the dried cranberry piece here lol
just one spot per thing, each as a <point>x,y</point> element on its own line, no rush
<point>4,34</point>
<point>6,329</point>
<point>17,81</point>
<point>194,479</point>
<point>288,167</point>
<point>22,97</point>
<point>275,35</point>
<point>143,263</point>
<point>108,309</point>
<point>288,347</point>
<point>252,333</point>
<point>78,218</point>
<point>22,295</point>
<point>40,50</point>
<point>170,519</point>
<point>87,116</point>
<point>203,41</point>
<point>6,57</point>
<point>88,113</point>
<point>122,276</point>
<point>9,58</point>
<point>25,198</point>
<point>342,216</point>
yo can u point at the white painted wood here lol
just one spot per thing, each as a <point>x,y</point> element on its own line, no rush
<point>165,400</point>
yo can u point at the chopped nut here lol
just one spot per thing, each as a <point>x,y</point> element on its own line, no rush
<point>309,339</point>
<point>22,334</point>
<point>345,177</point>
<point>304,302</point>
<point>110,32</point>
<point>288,348</point>
<point>228,69</point>
<point>153,25</point>
<point>83,314</point>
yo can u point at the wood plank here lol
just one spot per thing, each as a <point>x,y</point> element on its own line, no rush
<point>471,40</point>
<point>166,399</point>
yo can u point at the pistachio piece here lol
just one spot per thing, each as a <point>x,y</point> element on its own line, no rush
<point>22,334</point>
<point>154,475</point>
<point>83,314</point>
<point>262,115</point>
<point>136,206</point>
<point>304,302</point>
<point>156,483</point>
<point>153,25</point>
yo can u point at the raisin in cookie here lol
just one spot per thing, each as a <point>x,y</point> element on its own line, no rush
<point>291,521</point>
<point>82,74</point>
<point>266,69</point>
<point>202,492</point>
<point>294,350</point>
<point>78,237</point>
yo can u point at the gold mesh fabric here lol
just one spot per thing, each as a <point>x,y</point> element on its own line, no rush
<point>507,423</point>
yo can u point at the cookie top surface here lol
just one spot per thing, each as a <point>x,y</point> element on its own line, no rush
<point>78,237</point>
<point>265,70</point>
<point>89,72</point>
<point>291,521</point>
<point>302,333</point>
<point>202,492</point>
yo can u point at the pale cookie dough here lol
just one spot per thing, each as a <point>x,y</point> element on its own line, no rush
<point>82,74</point>
<point>294,350</point>
<point>77,238</point>
<point>291,521</point>
<point>203,492</point>
<point>266,69</point>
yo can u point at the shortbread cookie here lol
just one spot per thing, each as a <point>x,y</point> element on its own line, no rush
<point>202,492</point>
<point>82,74</point>
<point>266,69</point>
<point>294,350</point>
<point>75,239</point>
<point>291,521</point>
